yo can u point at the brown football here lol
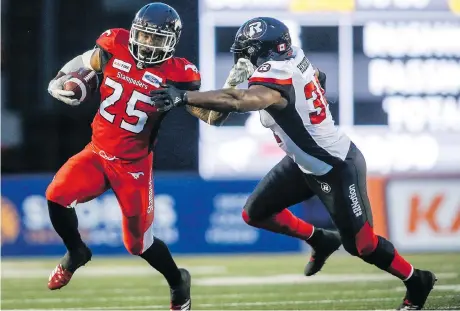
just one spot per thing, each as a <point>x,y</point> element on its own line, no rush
<point>83,83</point>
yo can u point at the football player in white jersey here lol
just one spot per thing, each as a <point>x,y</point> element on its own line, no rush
<point>320,159</point>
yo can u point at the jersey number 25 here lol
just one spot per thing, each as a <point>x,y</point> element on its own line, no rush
<point>130,107</point>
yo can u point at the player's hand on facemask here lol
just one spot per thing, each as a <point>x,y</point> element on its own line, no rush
<point>55,88</point>
<point>168,97</point>
<point>240,72</point>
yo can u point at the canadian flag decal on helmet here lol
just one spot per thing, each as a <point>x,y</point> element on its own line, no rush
<point>282,47</point>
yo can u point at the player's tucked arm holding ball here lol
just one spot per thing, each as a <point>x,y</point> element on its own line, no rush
<point>90,59</point>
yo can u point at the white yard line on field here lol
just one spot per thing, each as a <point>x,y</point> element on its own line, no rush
<point>297,278</point>
<point>241,304</point>
<point>30,273</point>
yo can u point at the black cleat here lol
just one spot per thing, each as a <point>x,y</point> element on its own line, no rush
<point>180,295</point>
<point>418,287</point>
<point>323,243</point>
<point>64,271</point>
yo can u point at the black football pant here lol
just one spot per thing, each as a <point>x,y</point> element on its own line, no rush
<point>342,191</point>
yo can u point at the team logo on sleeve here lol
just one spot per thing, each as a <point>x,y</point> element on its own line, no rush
<point>108,32</point>
<point>152,79</point>
<point>255,29</point>
<point>264,67</point>
<point>192,67</point>
<point>121,65</point>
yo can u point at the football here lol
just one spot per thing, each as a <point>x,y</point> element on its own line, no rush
<point>83,83</point>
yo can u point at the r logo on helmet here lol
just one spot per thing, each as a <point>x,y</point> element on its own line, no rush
<point>256,29</point>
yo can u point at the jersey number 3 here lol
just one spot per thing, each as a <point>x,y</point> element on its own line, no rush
<point>319,102</point>
<point>130,107</point>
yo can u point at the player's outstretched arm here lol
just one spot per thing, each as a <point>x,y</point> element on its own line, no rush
<point>257,97</point>
<point>209,116</point>
<point>239,73</point>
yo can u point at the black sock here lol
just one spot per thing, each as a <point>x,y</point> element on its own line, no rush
<point>65,222</point>
<point>382,256</point>
<point>159,257</point>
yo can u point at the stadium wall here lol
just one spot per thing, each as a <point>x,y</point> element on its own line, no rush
<point>196,216</point>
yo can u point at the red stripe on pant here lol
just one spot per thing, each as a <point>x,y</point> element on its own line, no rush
<point>285,223</point>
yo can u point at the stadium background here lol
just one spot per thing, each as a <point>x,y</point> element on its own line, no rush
<point>394,91</point>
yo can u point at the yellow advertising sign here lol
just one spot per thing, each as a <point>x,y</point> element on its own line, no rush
<point>454,6</point>
<point>322,5</point>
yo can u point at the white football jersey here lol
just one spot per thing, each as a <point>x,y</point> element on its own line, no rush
<point>304,129</point>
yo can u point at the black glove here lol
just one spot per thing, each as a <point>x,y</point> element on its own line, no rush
<point>322,79</point>
<point>168,97</point>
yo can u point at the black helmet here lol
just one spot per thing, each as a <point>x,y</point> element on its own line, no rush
<point>154,34</point>
<point>261,39</point>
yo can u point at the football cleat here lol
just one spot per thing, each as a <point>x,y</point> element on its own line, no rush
<point>418,287</point>
<point>180,295</point>
<point>323,243</point>
<point>63,272</point>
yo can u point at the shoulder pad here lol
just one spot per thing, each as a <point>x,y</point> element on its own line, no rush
<point>183,74</point>
<point>277,72</point>
<point>110,38</point>
<point>182,70</point>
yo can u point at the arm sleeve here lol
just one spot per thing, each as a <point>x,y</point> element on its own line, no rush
<point>73,65</point>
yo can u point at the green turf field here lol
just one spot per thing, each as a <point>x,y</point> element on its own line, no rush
<point>269,282</point>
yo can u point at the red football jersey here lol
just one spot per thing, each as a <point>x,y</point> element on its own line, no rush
<point>127,123</point>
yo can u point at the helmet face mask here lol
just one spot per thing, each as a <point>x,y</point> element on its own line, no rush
<point>154,34</point>
<point>150,45</point>
<point>251,52</point>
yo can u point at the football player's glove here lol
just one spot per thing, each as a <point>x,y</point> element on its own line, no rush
<point>240,72</point>
<point>55,88</point>
<point>322,79</point>
<point>168,97</point>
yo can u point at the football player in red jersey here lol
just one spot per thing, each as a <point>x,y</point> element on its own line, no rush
<point>124,130</point>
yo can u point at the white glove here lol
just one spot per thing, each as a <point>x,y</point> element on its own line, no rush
<point>240,72</point>
<point>55,88</point>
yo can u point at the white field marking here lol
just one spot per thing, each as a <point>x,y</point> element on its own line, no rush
<point>447,287</point>
<point>294,302</point>
<point>27,273</point>
<point>297,278</point>
<point>239,304</point>
<point>454,287</point>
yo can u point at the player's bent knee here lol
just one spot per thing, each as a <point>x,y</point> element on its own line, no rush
<point>366,240</point>
<point>350,246</point>
<point>134,248</point>
<point>245,217</point>
<point>253,211</point>
<point>57,193</point>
